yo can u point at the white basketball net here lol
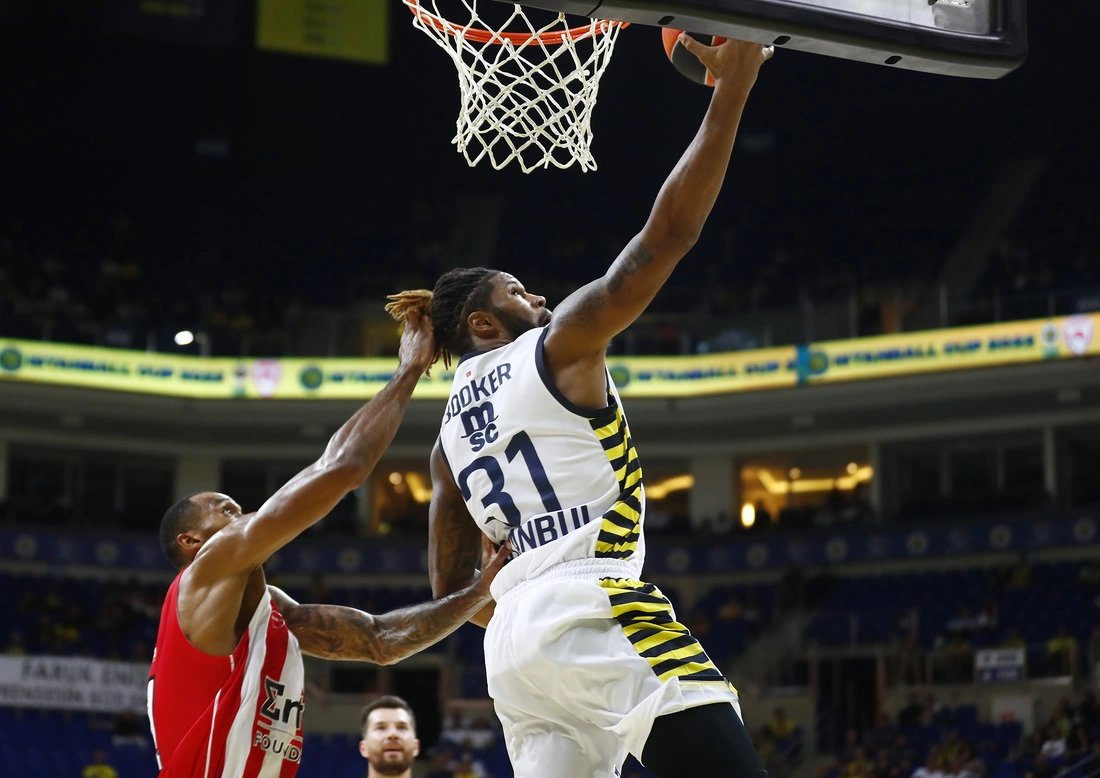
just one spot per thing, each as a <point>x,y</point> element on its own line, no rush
<point>527,96</point>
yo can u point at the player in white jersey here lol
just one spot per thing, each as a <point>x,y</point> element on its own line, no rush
<point>585,661</point>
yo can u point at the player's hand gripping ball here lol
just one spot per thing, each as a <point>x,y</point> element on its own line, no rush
<point>683,60</point>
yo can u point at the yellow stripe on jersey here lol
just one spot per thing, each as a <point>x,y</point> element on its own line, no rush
<point>620,526</point>
<point>649,623</point>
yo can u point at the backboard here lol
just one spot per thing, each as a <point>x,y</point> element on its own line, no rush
<point>967,38</point>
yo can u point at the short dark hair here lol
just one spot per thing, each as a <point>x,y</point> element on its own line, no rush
<point>179,518</point>
<point>387,702</point>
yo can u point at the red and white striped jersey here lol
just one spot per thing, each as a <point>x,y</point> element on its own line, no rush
<point>236,716</point>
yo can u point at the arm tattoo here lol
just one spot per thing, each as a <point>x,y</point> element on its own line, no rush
<point>633,259</point>
<point>592,298</point>
<point>456,546</point>
<point>335,632</point>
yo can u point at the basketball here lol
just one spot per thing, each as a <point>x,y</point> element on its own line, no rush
<point>683,60</point>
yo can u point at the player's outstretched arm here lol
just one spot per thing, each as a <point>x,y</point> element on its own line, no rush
<point>336,632</point>
<point>348,459</point>
<point>586,321</point>
<point>454,540</point>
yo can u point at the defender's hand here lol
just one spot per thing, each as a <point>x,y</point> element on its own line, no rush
<point>418,347</point>
<point>492,560</point>
<point>732,61</point>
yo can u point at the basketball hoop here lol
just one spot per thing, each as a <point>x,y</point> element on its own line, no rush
<point>526,96</point>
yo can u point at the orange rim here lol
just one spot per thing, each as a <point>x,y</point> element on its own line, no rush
<point>479,35</point>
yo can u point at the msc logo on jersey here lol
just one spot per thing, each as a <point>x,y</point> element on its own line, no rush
<point>479,424</point>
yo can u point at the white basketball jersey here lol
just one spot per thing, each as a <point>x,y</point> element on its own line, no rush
<point>560,481</point>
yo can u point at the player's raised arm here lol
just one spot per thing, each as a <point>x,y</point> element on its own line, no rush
<point>337,632</point>
<point>349,458</point>
<point>586,321</point>
<point>454,540</point>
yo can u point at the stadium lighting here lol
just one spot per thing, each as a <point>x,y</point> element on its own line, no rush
<point>184,338</point>
<point>748,515</point>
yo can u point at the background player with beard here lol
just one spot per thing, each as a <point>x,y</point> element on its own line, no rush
<point>389,741</point>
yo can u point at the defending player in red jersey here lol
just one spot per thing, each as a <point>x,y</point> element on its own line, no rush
<point>226,688</point>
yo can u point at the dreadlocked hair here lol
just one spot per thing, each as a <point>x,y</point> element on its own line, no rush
<point>457,294</point>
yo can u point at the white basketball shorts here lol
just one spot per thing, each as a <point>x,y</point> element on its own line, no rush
<point>580,661</point>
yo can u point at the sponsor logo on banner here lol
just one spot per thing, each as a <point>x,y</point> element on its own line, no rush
<point>349,560</point>
<point>1078,332</point>
<point>311,377</point>
<point>917,543</point>
<point>757,555</point>
<point>106,552</point>
<point>836,550</point>
<point>1084,530</point>
<point>11,359</point>
<point>72,683</point>
<point>1000,537</point>
<point>1049,337</point>
<point>678,560</point>
<point>266,374</point>
<point>620,375</point>
<point>25,546</point>
<point>1000,665</point>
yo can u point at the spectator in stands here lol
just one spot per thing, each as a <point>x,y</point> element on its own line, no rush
<point>731,609</point>
<point>958,659</point>
<point>128,730</point>
<point>780,728</point>
<point>967,764</point>
<point>1054,743</point>
<point>884,766</point>
<point>469,767</point>
<point>15,645</point>
<point>1029,749</point>
<point>1087,710</point>
<point>1042,768</point>
<point>1063,717</point>
<point>1021,576</point>
<point>848,750</point>
<point>99,767</point>
<point>1077,744</point>
<point>752,614</point>
<point>952,749</point>
<point>1062,652</point>
<point>699,622</point>
<point>963,623</point>
<point>931,768</point>
<point>859,766</point>
<point>901,752</point>
<point>442,759</point>
<point>389,743</point>
<point>1013,639</point>
<point>881,735</point>
<point>910,716</point>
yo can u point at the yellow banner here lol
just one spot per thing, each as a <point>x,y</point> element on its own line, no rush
<point>954,349</point>
<point>353,30</point>
<point>692,376</point>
